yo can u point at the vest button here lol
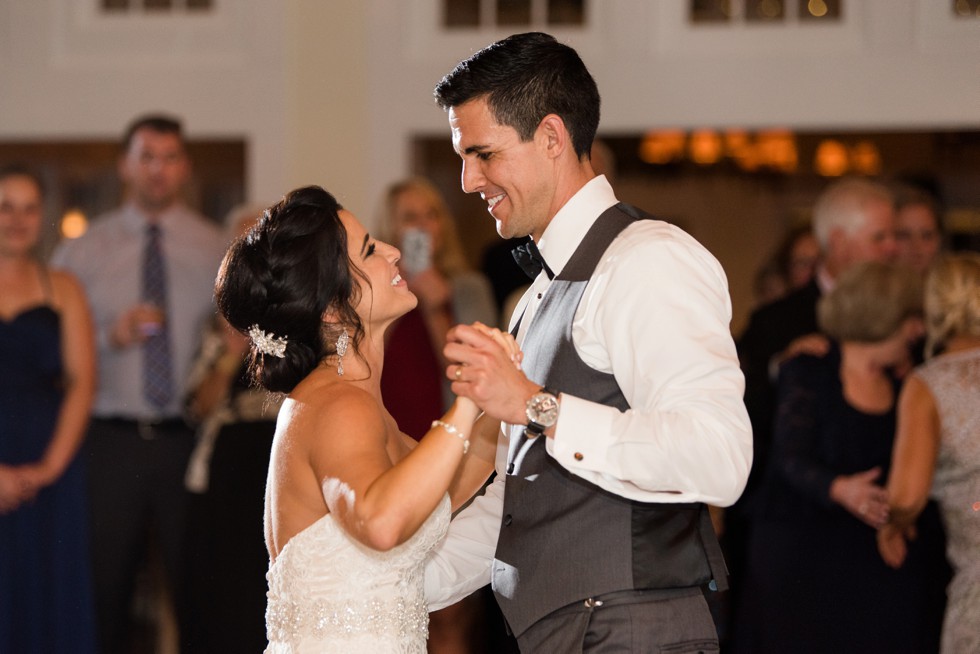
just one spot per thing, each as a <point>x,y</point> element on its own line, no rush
<point>579,456</point>
<point>508,519</point>
<point>510,468</point>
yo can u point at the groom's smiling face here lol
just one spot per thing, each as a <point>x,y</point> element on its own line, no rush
<point>513,177</point>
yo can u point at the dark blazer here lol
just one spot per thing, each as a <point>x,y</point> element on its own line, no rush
<point>771,328</point>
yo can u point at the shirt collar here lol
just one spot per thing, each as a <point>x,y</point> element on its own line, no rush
<point>136,219</point>
<point>569,226</point>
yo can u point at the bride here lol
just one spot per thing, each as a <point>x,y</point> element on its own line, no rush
<point>352,505</point>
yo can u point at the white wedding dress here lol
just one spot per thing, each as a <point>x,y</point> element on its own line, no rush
<point>329,593</point>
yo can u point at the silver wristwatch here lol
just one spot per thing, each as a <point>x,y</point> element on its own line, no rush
<point>541,411</point>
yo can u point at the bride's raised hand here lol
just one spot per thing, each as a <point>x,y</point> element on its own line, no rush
<point>505,340</point>
<point>486,367</point>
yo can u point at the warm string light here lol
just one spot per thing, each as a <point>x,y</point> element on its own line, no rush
<point>770,149</point>
<point>817,8</point>
<point>767,150</point>
<point>834,158</point>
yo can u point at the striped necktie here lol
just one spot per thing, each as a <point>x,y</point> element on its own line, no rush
<point>158,385</point>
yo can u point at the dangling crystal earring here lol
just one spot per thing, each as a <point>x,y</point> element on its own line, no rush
<point>342,342</point>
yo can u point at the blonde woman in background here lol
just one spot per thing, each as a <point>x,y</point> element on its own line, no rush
<point>937,451</point>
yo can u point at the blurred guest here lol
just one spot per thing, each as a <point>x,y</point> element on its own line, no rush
<point>918,228</point>
<point>936,451</point>
<point>47,381</point>
<point>798,257</point>
<point>815,582</point>
<point>226,475</point>
<point>853,222</point>
<point>149,269</point>
<point>769,283</point>
<point>792,267</point>
<point>414,388</point>
<point>918,238</point>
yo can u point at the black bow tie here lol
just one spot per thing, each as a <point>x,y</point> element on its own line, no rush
<point>529,258</point>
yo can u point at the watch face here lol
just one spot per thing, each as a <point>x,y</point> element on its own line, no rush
<point>542,408</point>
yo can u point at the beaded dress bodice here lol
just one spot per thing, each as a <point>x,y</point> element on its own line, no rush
<point>954,381</point>
<point>329,593</point>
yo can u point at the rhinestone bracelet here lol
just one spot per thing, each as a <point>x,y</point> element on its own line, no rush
<point>451,428</point>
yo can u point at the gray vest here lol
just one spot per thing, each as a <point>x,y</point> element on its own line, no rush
<point>563,539</point>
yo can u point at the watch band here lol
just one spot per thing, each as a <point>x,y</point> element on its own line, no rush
<point>533,429</point>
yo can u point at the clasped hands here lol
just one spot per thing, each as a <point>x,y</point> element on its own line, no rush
<point>868,502</point>
<point>486,368</point>
<point>862,497</point>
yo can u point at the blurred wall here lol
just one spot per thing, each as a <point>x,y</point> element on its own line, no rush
<point>335,90</point>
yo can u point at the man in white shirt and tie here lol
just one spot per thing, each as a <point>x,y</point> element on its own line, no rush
<point>148,268</point>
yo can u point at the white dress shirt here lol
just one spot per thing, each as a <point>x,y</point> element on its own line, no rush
<point>656,315</point>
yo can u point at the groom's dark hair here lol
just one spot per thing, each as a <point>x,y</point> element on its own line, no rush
<point>524,78</point>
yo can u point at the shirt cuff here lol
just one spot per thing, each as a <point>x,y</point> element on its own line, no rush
<point>575,445</point>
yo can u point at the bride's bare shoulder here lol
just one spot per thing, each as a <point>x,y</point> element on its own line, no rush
<point>330,407</point>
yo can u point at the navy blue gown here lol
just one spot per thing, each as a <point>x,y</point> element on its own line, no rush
<point>45,580</point>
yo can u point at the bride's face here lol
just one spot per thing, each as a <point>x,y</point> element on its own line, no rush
<point>385,295</point>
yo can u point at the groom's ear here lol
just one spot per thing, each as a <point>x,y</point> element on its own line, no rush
<point>554,136</point>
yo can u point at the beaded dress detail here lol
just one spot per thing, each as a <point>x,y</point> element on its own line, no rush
<point>954,381</point>
<point>328,593</point>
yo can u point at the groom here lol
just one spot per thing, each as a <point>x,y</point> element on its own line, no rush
<point>627,417</point>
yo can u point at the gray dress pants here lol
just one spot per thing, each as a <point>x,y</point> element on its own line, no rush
<point>676,621</point>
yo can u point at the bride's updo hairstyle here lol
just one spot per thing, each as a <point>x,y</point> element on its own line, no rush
<point>282,276</point>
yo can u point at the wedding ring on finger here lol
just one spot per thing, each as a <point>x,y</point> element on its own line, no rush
<point>459,372</point>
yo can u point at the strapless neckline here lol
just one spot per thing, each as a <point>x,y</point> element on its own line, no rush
<point>23,313</point>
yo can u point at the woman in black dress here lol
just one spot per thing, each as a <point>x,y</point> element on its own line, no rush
<point>815,582</point>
